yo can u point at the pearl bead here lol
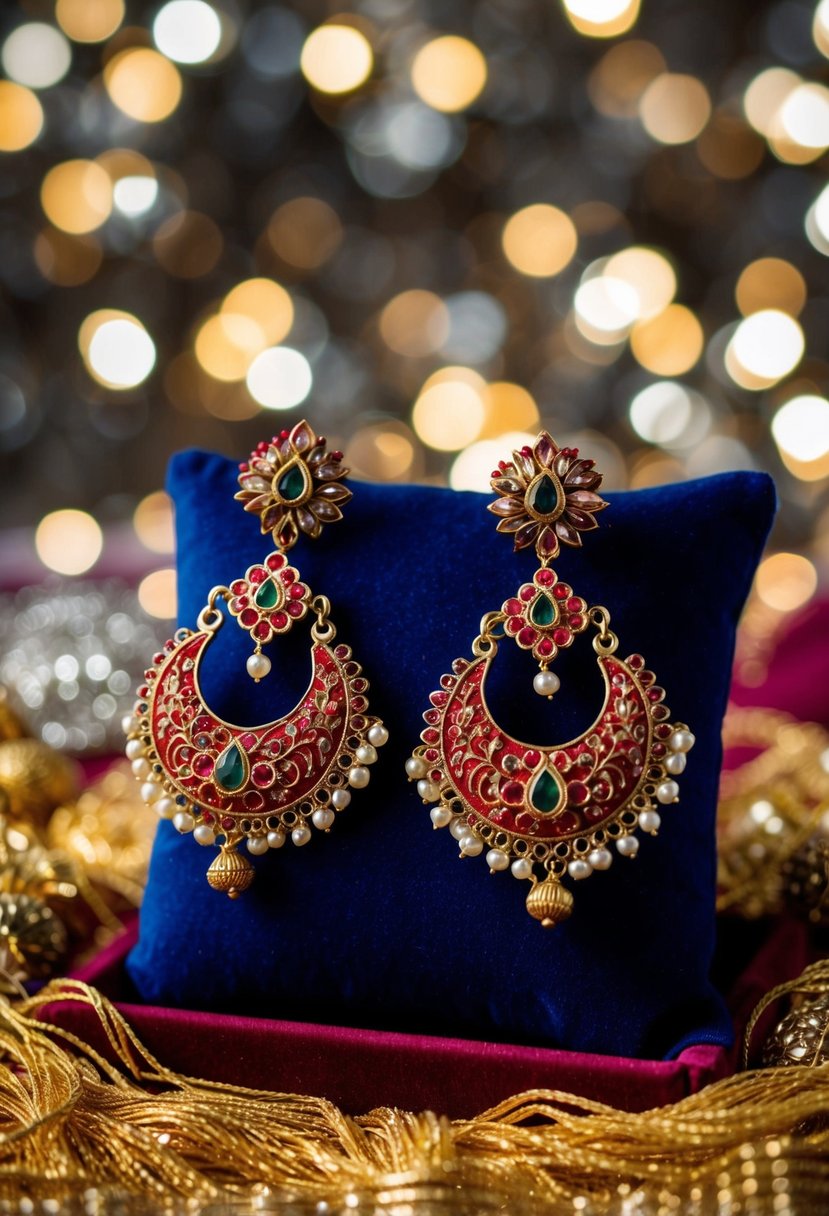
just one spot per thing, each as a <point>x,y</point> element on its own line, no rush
<point>141,768</point>
<point>579,869</point>
<point>416,767</point>
<point>471,846</point>
<point>301,836</point>
<point>497,859</point>
<point>440,816</point>
<point>151,791</point>
<point>258,666</point>
<point>628,846</point>
<point>275,839</point>
<point>257,845</point>
<point>366,754</point>
<point>340,799</point>
<point>522,868</point>
<point>322,818</point>
<point>204,834</point>
<point>134,749</point>
<point>681,741</point>
<point>428,790</point>
<point>600,859</point>
<point>675,763</point>
<point>129,723</point>
<point>183,822</point>
<point>649,821</point>
<point>667,792</point>
<point>378,734</point>
<point>358,777</point>
<point>165,808</point>
<point>459,828</point>
<point>546,683</point>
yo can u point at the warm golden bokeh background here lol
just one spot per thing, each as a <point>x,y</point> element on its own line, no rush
<point>432,228</point>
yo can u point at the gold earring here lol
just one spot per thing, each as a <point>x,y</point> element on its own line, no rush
<point>261,784</point>
<point>554,811</point>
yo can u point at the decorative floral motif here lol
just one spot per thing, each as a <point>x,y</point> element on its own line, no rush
<point>294,485</point>
<point>269,598</point>
<point>544,616</point>
<point>547,495</point>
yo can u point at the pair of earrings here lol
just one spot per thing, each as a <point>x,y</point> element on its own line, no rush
<point>544,813</point>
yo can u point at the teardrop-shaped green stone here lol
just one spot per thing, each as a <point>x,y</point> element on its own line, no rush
<point>291,485</point>
<point>545,496</point>
<point>542,613</point>
<point>231,770</point>
<point>267,595</point>
<point>546,793</point>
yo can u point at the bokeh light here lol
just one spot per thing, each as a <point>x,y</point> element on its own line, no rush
<point>449,73</point>
<point>661,412</point>
<point>817,222</point>
<point>770,283</point>
<point>67,260</point>
<point>21,116</point>
<point>649,273</point>
<point>605,308</point>
<point>143,83</point>
<point>336,58</point>
<point>76,195</point>
<point>472,469</point>
<point>508,407</point>
<point>69,542</point>
<point>674,108</point>
<point>415,323</point>
<point>820,27</point>
<point>226,345</point>
<point>188,31</point>
<point>188,244</point>
<point>540,240</point>
<point>786,581</point>
<point>621,76</point>
<point>157,594</point>
<point>305,232</point>
<point>279,378</point>
<point>766,346</point>
<point>89,20</point>
<point>801,431</point>
<point>36,54</point>
<point>668,344</point>
<point>765,96</point>
<point>449,412</point>
<point>116,348</point>
<point>153,522</point>
<point>266,304</point>
<point>602,18</point>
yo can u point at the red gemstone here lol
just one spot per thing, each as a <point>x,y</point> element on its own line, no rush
<point>279,620</point>
<point>359,685</point>
<point>601,790</point>
<point>527,636</point>
<point>203,723</point>
<point>262,631</point>
<point>207,816</point>
<point>431,754</point>
<point>288,576</point>
<point>143,691</point>
<point>239,587</point>
<point>275,561</point>
<point>531,758</point>
<point>432,716</point>
<point>331,708</point>
<point>545,647</point>
<point>595,813</point>
<point>253,800</point>
<point>512,624</point>
<point>512,792</point>
<point>577,793</point>
<point>527,592</point>
<point>296,608</point>
<point>562,636</point>
<point>262,775</point>
<point>636,662</point>
<point>203,765</point>
<point>659,749</point>
<point>258,575</point>
<point>576,621</point>
<point>561,591</point>
<point>359,703</point>
<point>662,731</point>
<point>358,722</point>
<point>646,678</point>
<point>239,603</point>
<point>297,591</point>
<point>439,698</point>
<point>342,652</point>
<point>430,735</point>
<point>656,694</point>
<point>435,775</point>
<point>513,607</point>
<point>524,822</point>
<point>249,618</point>
<point>248,741</point>
<point>566,822</point>
<point>545,577</point>
<point>228,823</point>
<point>574,604</point>
<point>159,658</point>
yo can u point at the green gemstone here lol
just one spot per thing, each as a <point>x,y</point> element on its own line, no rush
<point>542,613</point>
<point>545,496</point>
<point>291,485</point>
<point>545,792</point>
<point>230,771</point>
<point>267,595</point>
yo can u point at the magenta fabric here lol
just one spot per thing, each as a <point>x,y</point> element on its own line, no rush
<point>797,672</point>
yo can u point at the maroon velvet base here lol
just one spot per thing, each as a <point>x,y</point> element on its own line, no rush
<point>361,1069</point>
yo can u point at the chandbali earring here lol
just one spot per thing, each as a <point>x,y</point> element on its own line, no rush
<point>547,812</point>
<point>261,784</point>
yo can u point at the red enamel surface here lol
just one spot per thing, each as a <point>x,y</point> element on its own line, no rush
<point>298,749</point>
<point>599,776</point>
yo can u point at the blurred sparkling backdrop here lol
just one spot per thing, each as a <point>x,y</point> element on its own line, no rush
<point>432,227</point>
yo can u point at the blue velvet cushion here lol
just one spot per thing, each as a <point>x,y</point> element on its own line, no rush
<point>378,923</point>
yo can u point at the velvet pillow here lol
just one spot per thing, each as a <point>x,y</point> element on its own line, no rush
<point>377,923</point>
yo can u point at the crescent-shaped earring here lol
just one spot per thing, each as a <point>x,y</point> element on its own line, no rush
<point>548,812</point>
<point>260,784</point>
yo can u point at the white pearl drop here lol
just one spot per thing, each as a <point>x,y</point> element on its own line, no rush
<point>459,828</point>
<point>183,822</point>
<point>471,846</point>
<point>165,808</point>
<point>600,859</point>
<point>667,792</point>
<point>497,859</point>
<point>675,763</point>
<point>416,767</point>
<point>366,754</point>
<point>340,799</point>
<point>378,734</point>
<point>129,723</point>
<point>151,791</point>
<point>135,749</point>
<point>257,845</point>
<point>301,836</point>
<point>649,821</point>
<point>546,683</point>
<point>322,818</point>
<point>141,768</point>
<point>275,839</point>
<point>428,790</point>
<point>579,869</point>
<point>521,868</point>
<point>204,834</point>
<point>440,816</point>
<point>258,666</point>
<point>359,777</point>
<point>628,846</point>
<point>681,741</point>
